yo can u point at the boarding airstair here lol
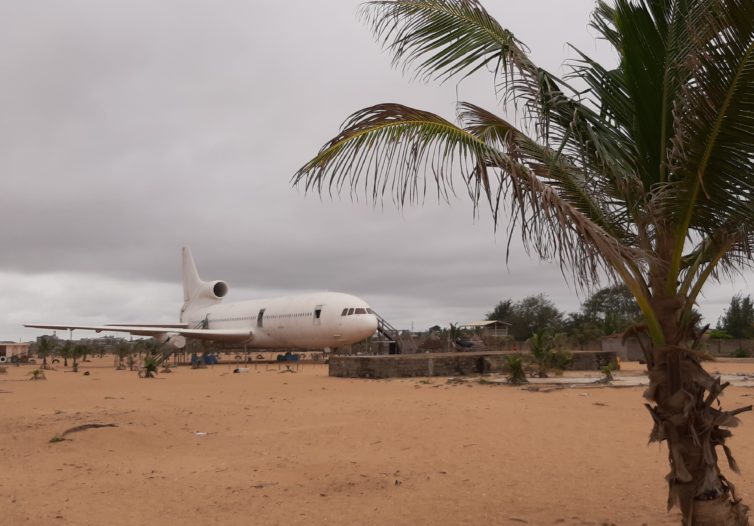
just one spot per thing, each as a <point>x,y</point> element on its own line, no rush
<point>397,344</point>
<point>164,352</point>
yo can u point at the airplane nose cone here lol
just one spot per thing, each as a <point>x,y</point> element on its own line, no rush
<point>371,323</point>
<point>366,325</point>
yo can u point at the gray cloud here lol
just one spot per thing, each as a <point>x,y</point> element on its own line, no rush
<point>131,128</point>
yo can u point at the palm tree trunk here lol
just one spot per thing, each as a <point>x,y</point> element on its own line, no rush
<point>684,415</point>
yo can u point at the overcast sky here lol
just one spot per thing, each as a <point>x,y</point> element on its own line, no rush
<point>132,127</point>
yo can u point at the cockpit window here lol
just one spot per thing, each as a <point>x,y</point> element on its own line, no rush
<point>370,311</point>
<point>350,311</point>
<point>345,311</point>
<point>361,311</point>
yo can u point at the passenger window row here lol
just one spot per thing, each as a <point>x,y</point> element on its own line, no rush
<point>280,316</point>
<point>269,316</point>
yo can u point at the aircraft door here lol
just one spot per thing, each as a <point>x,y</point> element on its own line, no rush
<point>318,315</point>
<point>260,318</point>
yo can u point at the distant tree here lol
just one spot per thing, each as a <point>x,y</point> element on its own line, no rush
<point>80,349</point>
<point>454,331</point>
<point>149,346</point>
<point>66,350</point>
<point>582,330</point>
<point>45,346</point>
<point>533,314</point>
<point>501,312</point>
<point>612,309</point>
<point>122,349</point>
<point>738,320</point>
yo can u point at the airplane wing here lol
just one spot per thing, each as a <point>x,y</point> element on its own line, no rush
<point>217,335</point>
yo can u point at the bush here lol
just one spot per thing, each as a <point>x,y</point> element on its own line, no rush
<point>560,360</point>
<point>150,367</point>
<point>741,353</point>
<point>546,349</point>
<point>516,369</point>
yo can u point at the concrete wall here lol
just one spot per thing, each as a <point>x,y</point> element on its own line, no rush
<point>631,351</point>
<point>728,347</point>
<point>592,360</point>
<point>446,364</point>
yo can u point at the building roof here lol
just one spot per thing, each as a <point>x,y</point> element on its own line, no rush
<point>484,323</point>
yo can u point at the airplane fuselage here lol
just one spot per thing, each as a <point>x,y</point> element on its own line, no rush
<point>308,321</point>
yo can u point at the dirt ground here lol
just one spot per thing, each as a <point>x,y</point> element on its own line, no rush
<point>199,447</point>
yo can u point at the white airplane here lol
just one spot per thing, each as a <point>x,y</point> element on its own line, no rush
<point>309,321</point>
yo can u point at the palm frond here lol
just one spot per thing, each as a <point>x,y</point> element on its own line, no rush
<point>390,147</point>
<point>395,148</point>
<point>572,182</point>
<point>712,155</point>
<point>444,38</point>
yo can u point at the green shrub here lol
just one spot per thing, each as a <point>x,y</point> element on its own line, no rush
<point>719,334</point>
<point>741,353</point>
<point>515,369</point>
<point>560,360</point>
<point>150,367</point>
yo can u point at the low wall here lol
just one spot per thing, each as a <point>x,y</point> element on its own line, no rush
<point>447,364</point>
<point>729,347</point>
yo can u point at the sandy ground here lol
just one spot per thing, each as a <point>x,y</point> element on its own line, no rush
<point>286,449</point>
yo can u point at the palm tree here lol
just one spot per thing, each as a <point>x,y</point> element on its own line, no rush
<point>643,173</point>
<point>542,345</point>
<point>45,346</point>
<point>152,357</point>
<point>80,349</point>
<point>66,350</point>
<point>122,349</point>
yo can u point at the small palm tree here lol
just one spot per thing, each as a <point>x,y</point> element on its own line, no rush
<point>122,350</point>
<point>643,172</point>
<point>80,349</point>
<point>66,351</point>
<point>152,357</point>
<point>45,346</point>
<point>516,372</point>
<point>37,374</point>
<point>149,370</point>
<point>542,345</point>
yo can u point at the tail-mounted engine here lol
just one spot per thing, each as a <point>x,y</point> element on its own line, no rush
<point>212,290</point>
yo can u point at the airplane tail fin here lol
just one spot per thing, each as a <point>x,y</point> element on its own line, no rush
<point>192,284</point>
<point>198,293</point>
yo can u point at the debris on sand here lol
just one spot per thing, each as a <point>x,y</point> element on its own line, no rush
<point>83,427</point>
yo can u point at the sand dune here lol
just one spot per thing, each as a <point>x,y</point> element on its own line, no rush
<point>200,447</point>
